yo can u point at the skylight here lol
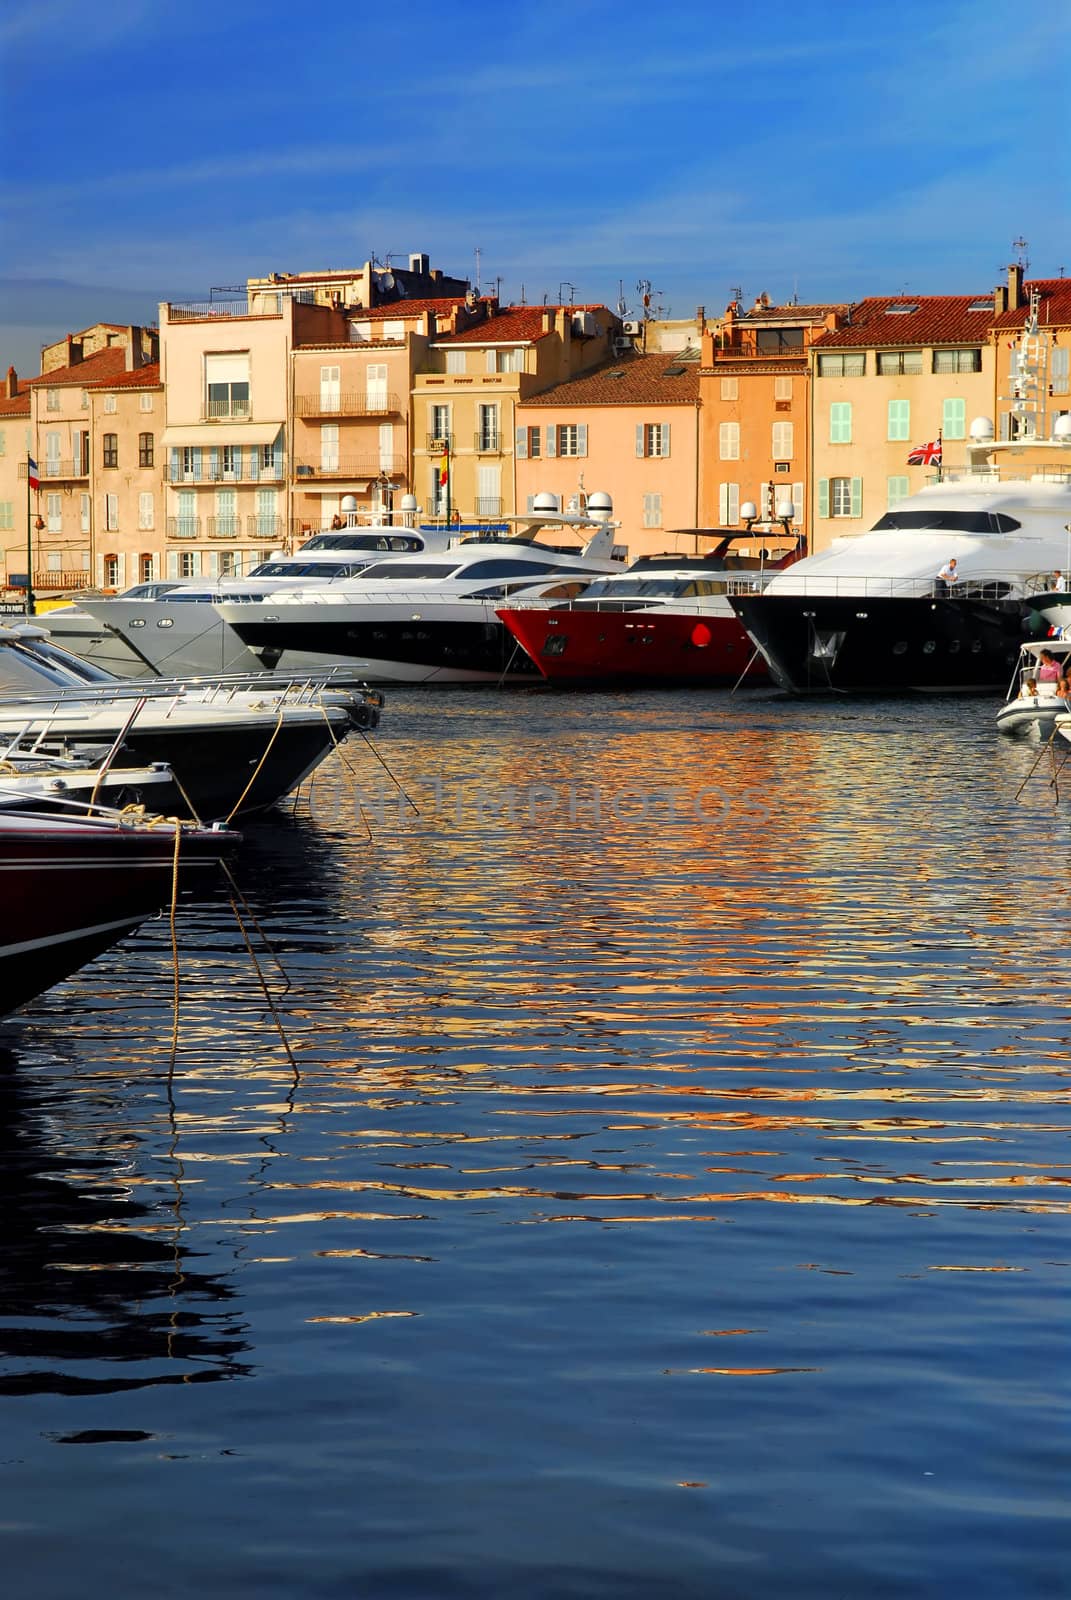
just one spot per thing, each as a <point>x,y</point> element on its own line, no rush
<point>901,310</point>
<point>981,305</point>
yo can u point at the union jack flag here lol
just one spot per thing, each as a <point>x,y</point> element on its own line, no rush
<point>926,455</point>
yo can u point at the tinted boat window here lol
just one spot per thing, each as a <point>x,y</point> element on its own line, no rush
<point>409,569</point>
<point>948,521</point>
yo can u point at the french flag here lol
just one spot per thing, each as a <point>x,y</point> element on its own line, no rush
<point>32,473</point>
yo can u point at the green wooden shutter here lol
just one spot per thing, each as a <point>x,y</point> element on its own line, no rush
<point>857,497</point>
<point>582,439</point>
<point>823,497</point>
<point>521,445</point>
<point>639,438</point>
<point>954,419</point>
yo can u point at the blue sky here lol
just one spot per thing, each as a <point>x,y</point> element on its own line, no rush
<point>155,149</point>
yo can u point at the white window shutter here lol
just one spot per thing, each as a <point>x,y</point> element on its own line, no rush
<point>665,438</point>
<point>582,439</point>
<point>552,440</point>
<point>120,571</point>
<point>797,502</point>
<point>734,504</point>
<point>723,503</point>
<point>521,444</point>
<point>639,438</point>
<point>765,499</point>
<point>492,361</point>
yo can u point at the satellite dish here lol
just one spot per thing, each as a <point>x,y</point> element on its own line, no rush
<point>387,280</point>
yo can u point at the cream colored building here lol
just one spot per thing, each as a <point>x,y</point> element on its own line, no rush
<point>898,372</point>
<point>16,442</point>
<point>95,417</point>
<point>465,434</point>
<point>630,429</point>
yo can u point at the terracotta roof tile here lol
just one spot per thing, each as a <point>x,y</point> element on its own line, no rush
<point>628,381</point>
<point>146,377</point>
<point>1055,307</point>
<point>17,406</point>
<point>103,367</point>
<point>936,319</point>
<point>786,313</point>
<point>404,308</point>
<point>514,325</point>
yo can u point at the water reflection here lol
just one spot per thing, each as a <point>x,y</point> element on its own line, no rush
<point>97,1297</point>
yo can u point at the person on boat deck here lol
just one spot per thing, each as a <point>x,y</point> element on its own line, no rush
<point>1048,668</point>
<point>947,578</point>
<point>1029,689</point>
<point>1059,583</point>
<point>1063,688</point>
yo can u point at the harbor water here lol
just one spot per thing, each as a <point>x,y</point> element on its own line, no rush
<point>668,1195</point>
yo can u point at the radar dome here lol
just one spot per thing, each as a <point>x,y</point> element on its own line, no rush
<point>349,503</point>
<point>982,430</point>
<point>600,505</point>
<point>749,511</point>
<point>1062,427</point>
<point>409,502</point>
<point>786,509</point>
<point>545,502</point>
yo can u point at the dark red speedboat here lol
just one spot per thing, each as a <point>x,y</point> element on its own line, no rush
<point>664,620</point>
<point>70,887</point>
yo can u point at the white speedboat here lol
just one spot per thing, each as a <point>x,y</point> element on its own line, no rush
<point>422,619</point>
<point>170,628</point>
<point>1033,703</point>
<point>235,745</point>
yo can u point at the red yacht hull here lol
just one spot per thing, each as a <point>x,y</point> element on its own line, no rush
<point>580,647</point>
<point>70,888</point>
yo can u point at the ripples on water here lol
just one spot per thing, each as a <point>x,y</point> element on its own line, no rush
<point>666,1204</point>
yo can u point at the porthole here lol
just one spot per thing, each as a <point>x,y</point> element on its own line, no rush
<point>900,647</point>
<point>929,647</point>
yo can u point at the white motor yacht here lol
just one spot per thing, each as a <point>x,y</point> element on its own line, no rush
<point>169,627</point>
<point>1033,703</point>
<point>432,619</point>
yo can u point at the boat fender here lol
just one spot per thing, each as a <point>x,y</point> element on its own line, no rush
<point>701,636</point>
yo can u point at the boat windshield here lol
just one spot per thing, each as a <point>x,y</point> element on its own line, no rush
<point>651,588</point>
<point>947,521</point>
<point>364,541</point>
<point>307,569</point>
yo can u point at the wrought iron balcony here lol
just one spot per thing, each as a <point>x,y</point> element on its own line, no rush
<point>258,527</point>
<point>194,310</point>
<point>439,443</point>
<point>53,467</point>
<point>225,410</point>
<point>183,527</point>
<point>365,404</point>
<point>246,466</point>
<point>488,442</point>
<point>228,527</point>
<point>370,466</point>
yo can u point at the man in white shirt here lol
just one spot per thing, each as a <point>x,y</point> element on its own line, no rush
<point>947,578</point>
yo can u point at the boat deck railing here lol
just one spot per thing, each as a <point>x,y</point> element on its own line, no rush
<point>867,586</point>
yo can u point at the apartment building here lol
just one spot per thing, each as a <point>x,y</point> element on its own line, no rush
<point>95,414</point>
<point>352,410</point>
<point>899,371</point>
<point>629,429</point>
<point>754,388</point>
<point>16,443</point>
<point>464,402</point>
<point>350,288</point>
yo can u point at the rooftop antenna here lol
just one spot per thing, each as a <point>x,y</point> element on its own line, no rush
<point>622,303</point>
<point>1021,258</point>
<point>476,252</point>
<point>565,284</point>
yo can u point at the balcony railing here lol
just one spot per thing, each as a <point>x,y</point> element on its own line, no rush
<point>370,466</point>
<point>61,580</point>
<point>257,527</point>
<point>224,527</point>
<point>245,470</point>
<point>53,467</point>
<point>487,443</point>
<point>215,410</point>
<point>439,443</point>
<point>488,505</point>
<point>183,527</point>
<point>373,404</point>
<point>194,310</point>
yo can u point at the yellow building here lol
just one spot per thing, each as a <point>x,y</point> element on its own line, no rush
<point>16,443</point>
<point>898,372</point>
<point>465,432</point>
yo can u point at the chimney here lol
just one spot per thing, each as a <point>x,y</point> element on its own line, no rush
<point>1015,285</point>
<point>11,384</point>
<point>1000,299</point>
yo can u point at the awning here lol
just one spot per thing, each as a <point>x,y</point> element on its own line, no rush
<point>226,431</point>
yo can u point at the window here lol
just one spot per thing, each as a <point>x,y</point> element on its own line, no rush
<point>729,441</point>
<point>375,386</point>
<point>227,385</point>
<point>730,388</point>
<point>893,363</point>
<point>440,422</point>
<point>772,340</point>
<point>455,361</point>
<point>54,513</point>
<point>230,460</point>
<point>782,441</point>
<point>957,360</point>
<point>1059,371</point>
<point>227,513</point>
<point>51,399</point>
<point>840,422</point>
<point>3,442</point>
<point>652,510</point>
<point>842,366</point>
<point>111,512</point>
<point>505,360</point>
<point>7,515</point>
<point>85,399</point>
<point>899,426</point>
<point>145,450</point>
<point>146,511</point>
<point>111,450</point>
<point>266,512</point>
<point>189,563</point>
<point>572,439</point>
<point>53,465</point>
<point>896,489</point>
<point>487,436</point>
<point>144,402</point>
<point>146,571</point>
<point>54,560</point>
<point>954,419</point>
<point>330,389</point>
<point>110,403</point>
<point>652,439</point>
<point>782,388</point>
<point>84,513</point>
<point>728,503</point>
<point>528,442</point>
<point>329,457</point>
<point>111,572</point>
<point>840,497</point>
